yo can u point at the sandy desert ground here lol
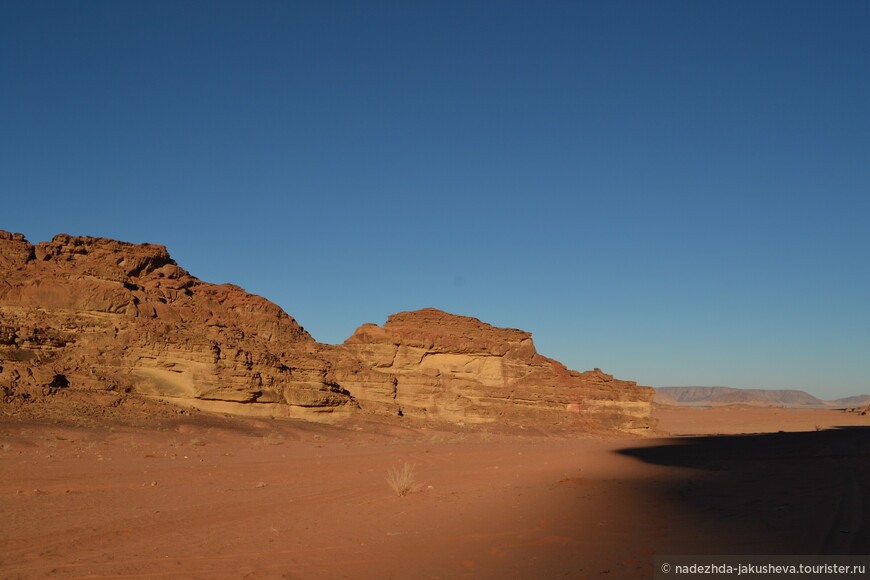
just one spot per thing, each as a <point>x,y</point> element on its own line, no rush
<point>213,497</point>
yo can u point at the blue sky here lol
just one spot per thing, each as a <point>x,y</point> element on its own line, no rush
<point>675,192</point>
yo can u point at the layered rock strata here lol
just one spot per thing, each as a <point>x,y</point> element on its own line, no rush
<point>430,363</point>
<point>99,315</point>
<point>93,313</point>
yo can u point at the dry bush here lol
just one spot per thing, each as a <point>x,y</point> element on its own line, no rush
<point>402,480</point>
<point>271,439</point>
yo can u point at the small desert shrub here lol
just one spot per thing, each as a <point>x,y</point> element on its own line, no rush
<point>196,441</point>
<point>271,439</point>
<point>402,480</point>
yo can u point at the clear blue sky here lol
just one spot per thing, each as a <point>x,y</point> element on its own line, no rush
<point>677,192</point>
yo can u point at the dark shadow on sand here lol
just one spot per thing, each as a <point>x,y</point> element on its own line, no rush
<point>774,493</point>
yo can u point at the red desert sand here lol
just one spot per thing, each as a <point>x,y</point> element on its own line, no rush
<point>207,496</point>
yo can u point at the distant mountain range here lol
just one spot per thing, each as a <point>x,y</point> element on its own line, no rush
<point>856,401</point>
<point>707,396</point>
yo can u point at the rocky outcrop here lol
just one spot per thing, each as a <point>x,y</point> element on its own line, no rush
<point>103,316</point>
<point>431,364</point>
<point>99,314</point>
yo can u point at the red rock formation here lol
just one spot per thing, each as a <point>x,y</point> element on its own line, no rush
<point>119,317</point>
<point>431,364</point>
<point>98,315</point>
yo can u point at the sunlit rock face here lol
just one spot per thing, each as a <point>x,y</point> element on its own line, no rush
<point>431,363</point>
<point>121,319</point>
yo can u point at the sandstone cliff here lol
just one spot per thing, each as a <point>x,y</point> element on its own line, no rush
<point>430,363</point>
<point>103,315</point>
<point>93,315</point>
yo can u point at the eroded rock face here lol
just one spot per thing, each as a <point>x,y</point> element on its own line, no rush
<point>430,363</point>
<point>112,316</point>
<point>98,315</point>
